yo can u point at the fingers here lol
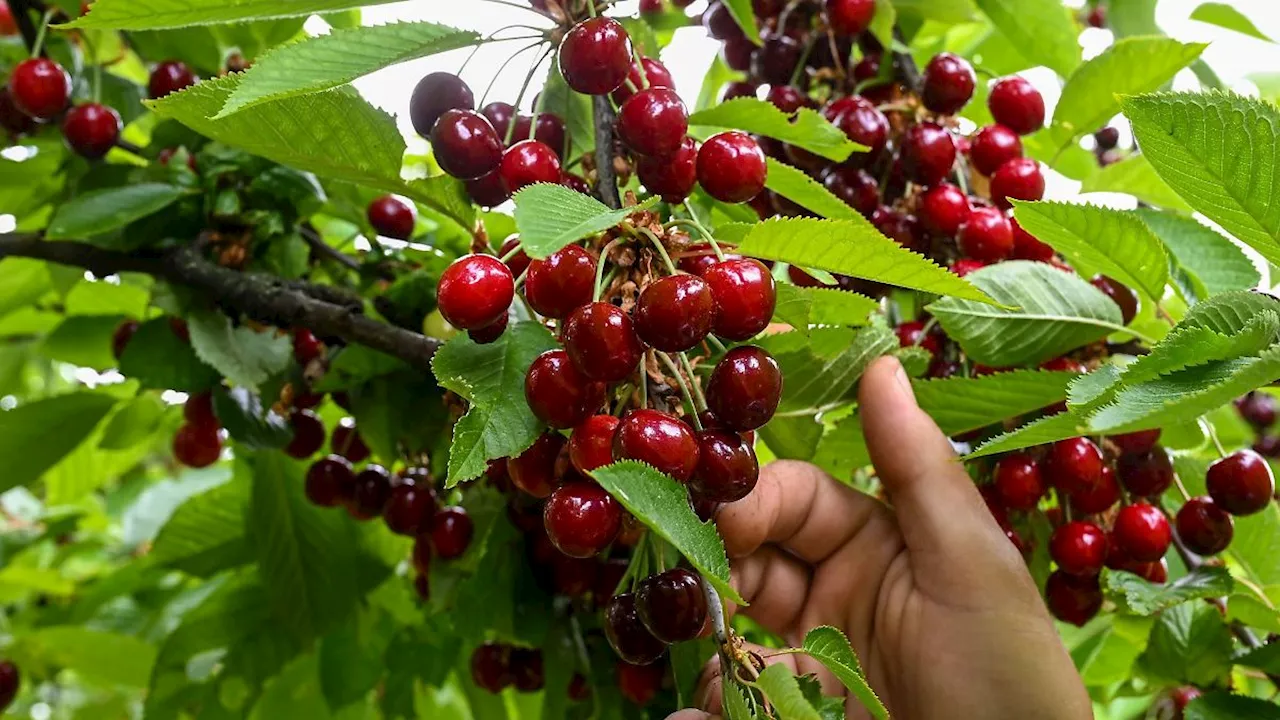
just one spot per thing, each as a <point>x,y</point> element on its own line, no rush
<point>710,692</point>
<point>692,715</point>
<point>775,586</point>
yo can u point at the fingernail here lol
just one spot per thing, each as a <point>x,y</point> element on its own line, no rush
<point>904,382</point>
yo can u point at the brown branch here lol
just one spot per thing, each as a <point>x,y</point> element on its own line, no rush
<point>328,312</point>
<point>606,178</point>
<point>320,247</point>
<point>22,10</point>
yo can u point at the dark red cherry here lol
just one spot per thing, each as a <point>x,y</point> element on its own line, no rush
<point>627,634</point>
<point>1107,138</point>
<point>928,153</point>
<point>8,28</point>
<point>673,176</point>
<point>330,481</point>
<point>1241,483</point>
<point>986,236</point>
<point>658,439</point>
<point>1018,482</point>
<point>855,187</point>
<point>1122,295</point>
<point>992,147</point>
<point>489,333</point>
<point>948,83</point>
<point>653,122</point>
<point>571,576</point>
<point>731,167</point>
<point>198,410</point>
<point>1204,528</point>
<point>491,667</point>
<point>475,290</point>
<point>409,508</point>
<point>527,669</point>
<point>1018,179</point>
<point>656,75</point>
<point>943,209</point>
<point>558,393</point>
<point>1079,548</point>
<point>169,77</point>
<point>466,146</point>
<point>964,266</point>
<point>197,446</point>
<point>1258,409</point>
<point>735,90</point>
<point>433,96</point>
<point>392,217</point>
<point>850,17</point>
<point>562,282</point>
<point>1073,465</point>
<point>1015,103</point>
<point>308,434</point>
<point>1267,446</point>
<point>549,131</point>
<point>745,388</point>
<point>595,56</point>
<point>602,342</point>
<point>675,313</point>
<point>1027,247</point>
<point>719,22</point>
<point>451,531</point>
<point>13,120</point>
<point>10,679</point>
<point>499,114</point>
<point>528,162</point>
<point>914,334</point>
<point>1141,532</point>
<point>91,129</point>
<point>306,346</point>
<point>1098,498</point>
<point>372,491</point>
<point>788,98</point>
<point>727,468</point>
<point>488,191</point>
<point>1136,443</point>
<point>1073,599</point>
<point>581,519</point>
<point>639,684</point>
<point>903,229</point>
<point>775,61</point>
<point>1147,474</point>
<point>518,262</point>
<point>591,444</point>
<point>745,295</point>
<point>738,53</point>
<point>346,441</point>
<point>40,88</point>
<point>534,470</point>
<point>672,605</point>
<point>862,123</point>
<point>579,688</point>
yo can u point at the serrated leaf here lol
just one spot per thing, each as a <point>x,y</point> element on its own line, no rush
<point>1135,176</point>
<point>499,423</point>
<point>1213,262</point>
<point>155,14</point>
<point>1038,432</point>
<point>249,421</point>
<point>782,691</point>
<point>663,505</point>
<point>1053,312</point>
<point>159,359</point>
<point>1108,657</point>
<point>1097,239</point>
<point>801,307</point>
<point>735,703</point>
<point>830,647</point>
<point>852,247</point>
<point>960,404</point>
<point>335,59</point>
<point>1265,658</point>
<point>829,708</point>
<point>550,217</point>
<point>1232,312</point>
<point>843,449</point>
<point>1222,705</point>
<point>102,211</point>
<point>822,366</point>
<point>27,443</point>
<point>806,129</point>
<point>206,534</point>
<point>1045,29</point>
<point>803,190</point>
<point>1226,16</point>
<point>1220,152</point>
<point>1190,644</point>
<point>1140,597</point>
<point>1189,345</point>
<point>243,355</point>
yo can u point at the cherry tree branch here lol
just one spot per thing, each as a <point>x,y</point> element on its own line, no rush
<point>606,178</point>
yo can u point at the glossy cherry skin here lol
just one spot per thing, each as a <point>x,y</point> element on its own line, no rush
<point>1122,295</point>
<point>987,236</point>
<point>675,313</point>
<point>674,176</point>
<point>788,98</point>
<point>330,481</point>
<point>944,208</point>
<point>308,434</point>
<point>928,153</point>
<point>1079,548</point>
<point>775,61</point>
<point>372,491</point>
<point>409,508</point>
<point>392,217</point>
<point>1141,532</point>
<point>1073,599</point>
<point>451,531</point>
<point>1098,498</point>
<point>595,56</point>
<point>433,96</point>
<point>850,17</point>
<point>40,88</point>
<point>558,393</point>
<point>1073,465</point>
<point>1136,443</point>
<point>534,470</point>
<point>1019,483</point>
<point>1027,247</point>
<point>581,519</point>
<point>855,187</point>
<point>1016,104</point>
<point>1107,138</point>
<point>562,282</point>
<point>475,290</point>
<point>169,77</point>
<point>197,446</point>
<point>346,441</point>
<point>591,444</point>
<point>745,295</point>
<point>1147,474</point>
<point>738,89</point>
<point>1018,179</point>
<point>745,388</point>
<point>1204,528</point>
<point>499,114</point>
<point>491,667</point>
<point>466,146</point>
<point>548,129</point>
<point>862,123</point>
<point>1241,483</point>
<point>656,75</point>
<point>731,167</point>
<point>528,162</point>
<point>198,410</point>
<point>719,22</point>
<point>672,605</point>
<point>602,342</point>
<point>1258,409</point>
<point>658,439</point>
<point>949,82</point>
<point>727,469</point>
<point>627,634</point>
<point>306,346</point>
<point>992,147</point>
<point>519,262</point>
<point>653,122</point>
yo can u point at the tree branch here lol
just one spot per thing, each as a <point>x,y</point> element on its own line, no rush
<point>329,312</point>
<point>22,10</point>
<point>606,178</point>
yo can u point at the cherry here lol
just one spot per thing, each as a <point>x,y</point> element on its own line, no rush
<point>627,634</point>
<point>788,98</point>
<point>1027,247</point>
<point>519,262</point>
<point>928,153</point>
<point>699,257</point>
<point>987,235</point>
<point>901,228</point>
<point>330,481</point>
<point>1100,497</point>
<point>639,684</point>
<point>198,410</point>
<point>1258,409</point>
<point>1079,548</point>
<point>992,147</point>
<point>862,123</point>
<point>8,26</point>
<point>745,295</point>
<point>1019,483</point>
<point>528,162</point>
<point>491,667</point>
<point>422,552</point>
<point>527,668</point>
<point>306,346</point>
<point>1097,18</point>
<point>499,114</point>
<point>674,176</point>
<point>948,83</point>
<point>1141,532</point>
<point>197,446</point>
<point>850,17</point>
<point>1146,474</point>
<point>1063,363</point>
<point>1122,295</point>
<point>1073,465</point>
<point>855,187</point>
<point>1107,138</point>
<point>912,334</point>
<point>675,313</point>
<point>1241,483</point>
<point>653,122</point>
<point>488,191</point>
<point>489,333</point>
<point>562,282</point>
<point>719,22</point>
<point>558,393</point>
<point>12,119</point>
<point>534,470</point>
<point>655,75</point>
<point>735,90</point>
<point>346,441</point>
<point>372,491</point>
<point>602,342</point>
<point>433,96</point>
<point>775,61</point>
<point>745,388</point>
<point>1073,599</point>
<point>169,77</point>
<point>475,290</point>
<point>1016,104</point>
<point>40,88</point>
<point>944,208</point>
<point>392,217</point>
<point>731,167</point>
<point>308,434</point>
<point>451,531</point>
<point>549,131</point>
<point>1205,528</point>
<point>581,519</point>
<point>727,468</point>
<point>579,688</point>
<point>409,508</point>
<point>10,683</point>
<point>465,144</point>
<point>738,53</point>
<point>591,444</point>
<point>571,576</point>
<point>672,605</point>
<point>658,439</point>
<point>1267,446</point>
<point>1018,179</point>
<point>595,56</point>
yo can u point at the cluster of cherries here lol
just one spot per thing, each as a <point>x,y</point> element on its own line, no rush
<point>1259,410</point>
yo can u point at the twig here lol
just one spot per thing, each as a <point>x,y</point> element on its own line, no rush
<point>320,247</point>
<point>904,66</point>
<point>22,10</point>
<point>606,178</point>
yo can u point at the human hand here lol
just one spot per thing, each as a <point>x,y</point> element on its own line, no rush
<point>939,606</point>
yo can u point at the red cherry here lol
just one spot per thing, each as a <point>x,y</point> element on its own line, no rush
<point>987,236</point>
<point>13,120</point>
<point>91,130</point>
<point>372,491</point>
<point>169,77</point>
<point>855,187</point>
<point>1107,138</point>
<point>745,295</point>
<point>1204,528</point>
<point>198,410</point>
<point>550,131</point>
<point>674,176</point>
<point>488,191</point>
<point>1120,294</point>
<point>1241,483</point>
<point>534,470</point>
<point>944,208</point>
<point>518,262</point>
<point>306,346</point>
<point>40,88</point>
<point>579,688</point>
<point>775,61</point>
<point>675,313</point>
<point>1147,474</point>
<point>639,684</point>
<point>1079,548</point>
<point>653,122</point>
<point>330,481</point>
<point>10,683</point>
<point>862,123</point>
<point>948,83</point>
<point>1027,247</point>
<point>562,282</point>
<point>850,17</point>
<point>1016,104</point>
<point>788,98</point>
<point>727,469</point>
<point>602,342</point>
<point>197,446</point>
<point>451,531</point>
<point>491,667</point>
<point>499,114</point>
<point>527,668</point>
<point>346,441</point>
<point>409,508</point>
<point>658,439</point>
<point>528,162</point>
<point>475,290</point>
<point>672,605</point>
<point>1142,532</point>
<point>1136,443</point>
<point>392,217</point>
<point>992,147</point>
<point>595,56</point>
<point>466,146</point>
<point>1257,408</point>
<point>964,266</point>
<point>912,334</point>
<point>8,26</point>
<point>1018,179</point>
<point>1018,482</point>
<point>699,257</point>
<point>308,434</point>
<point>738,53</point>
<point>735,90</point>
<point>1073,599</point>
<point>489,333</point>
<point>591,444</point>
<point>433,96</point>
<point>627,634</point>
<point>719,22</point>
<point>731,167</point>
<point>557,391</point>
<point>745,388</point>
<point>1073,465</point>
<point>928,153</point>
<point>655,73</point>
<point>1100,497</point>
<point>581,519</point>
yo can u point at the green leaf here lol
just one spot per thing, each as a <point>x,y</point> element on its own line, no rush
<point>133,422</point>
<point>401,414</point>
<point>157,358</point>
<point>803,190</point>
<point>830,647</point>
<point>960,404</point>
<point>1135,176</point>
<point>1219,152</point>
<point>1053,312</point>
<point>1131,66</point>
<point>102,211</point>
<point>95,655</point>
<point>248,421</point>
<point>1045,29</point>
<point>783,692</point>
<point>1223,705</point>
<point>83,341</point>
<point>28,446</point>
<point>351,657</point>
<point>1190,644</point>
<point>1143,598</point>
<point>552,216</point>
<point>243,355</point>
<point>663,505</point>
<point>949,12</point>
<point>1107,658</point>
<point>491,378</point>
<point>99,297</point>
<point>1226,16</point>
<point>1265,658</point>
<point>806,129</point>
<point>745,15</point>
<point>1039,432</point>
<point>206,534</point>
<point>852,247</point>
<point>335,59</point>
<point>1097,239</point>
<point>1211,261</point>
<point>153,14</point>
<point>823,365</point>
<point>574,108</point>
<point>843,449</point>
<point>735,703</point>
<point>792,438</point>
<point>802,307</point>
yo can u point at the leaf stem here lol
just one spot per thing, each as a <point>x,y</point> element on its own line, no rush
<point>684,388</point>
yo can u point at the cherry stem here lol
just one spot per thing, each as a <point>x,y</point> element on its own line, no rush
<point>1212,432</point>
<point>804,58</point>
<point>835,53</point>
<point>671,267</point>
<point>644,75</point>
<point>684,388</point>
<point>491,39</point>
<point>1177,480</point>
<point>527,8</point>
<point>604,257</point>
<point>523,275</point>
<point>503,67</point>
<point>706,234</point>
<point>511,253</point>
<point>697,387</point>
<point>644,380</point>
<point>715,342</point>
<point>38,45</point>
<point>524,87</point>
<point>962,173</point>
